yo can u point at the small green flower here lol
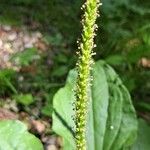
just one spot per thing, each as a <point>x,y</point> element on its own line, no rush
<point>84,66</point>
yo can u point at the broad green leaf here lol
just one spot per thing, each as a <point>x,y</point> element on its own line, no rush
<point>99,102</point>
<point>143,140</point>
<point>128,127</point>
<point>114,116</point>
<point>63,112</point>
<point>111,123</point>
<point>14,136</point>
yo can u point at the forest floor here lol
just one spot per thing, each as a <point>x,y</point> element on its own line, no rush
<point>15,39</point>
<point>12,41</point>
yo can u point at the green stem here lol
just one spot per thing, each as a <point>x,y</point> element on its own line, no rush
<point>10,86</point>
<point>84,66</point>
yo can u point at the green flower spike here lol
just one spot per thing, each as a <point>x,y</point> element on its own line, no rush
<point>84,67</point>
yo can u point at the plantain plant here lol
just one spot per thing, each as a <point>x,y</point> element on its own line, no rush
<point>14,136</point>
<point>93,114</point>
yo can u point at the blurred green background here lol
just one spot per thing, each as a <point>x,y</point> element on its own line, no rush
<point>123,40</point>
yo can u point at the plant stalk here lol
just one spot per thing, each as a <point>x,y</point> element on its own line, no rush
<point>84,66</point>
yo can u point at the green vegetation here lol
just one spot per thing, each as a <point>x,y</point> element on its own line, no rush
<point>14,135</point>
<point>122,41</point>
<point>111,123</point>
<point>84,67</point>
